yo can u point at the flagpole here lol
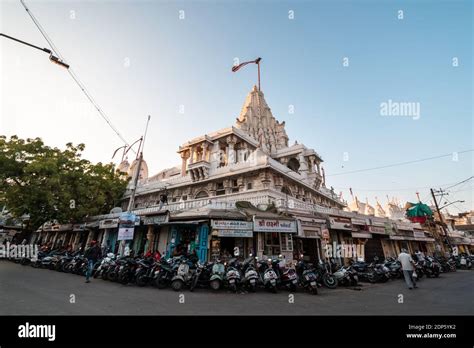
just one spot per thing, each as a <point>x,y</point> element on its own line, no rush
<point>258,66</point>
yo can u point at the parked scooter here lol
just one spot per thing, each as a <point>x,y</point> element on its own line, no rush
<point>250,279</point>
<point>268,276</point>
<point>183,276</point>
<point>217,276</point>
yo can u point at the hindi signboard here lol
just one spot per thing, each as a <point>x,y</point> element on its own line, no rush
<point>274,225</point>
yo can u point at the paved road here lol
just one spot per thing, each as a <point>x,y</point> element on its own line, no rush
<point>25,290</point>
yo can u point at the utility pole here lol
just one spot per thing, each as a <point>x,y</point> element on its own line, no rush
<point>136,176</point>
<point>441,217</point>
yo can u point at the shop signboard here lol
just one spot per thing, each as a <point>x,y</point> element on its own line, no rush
<point>156,220</point>
<point>340,223</point>
<point>235,233</point>
<point>377,229</point>
<point>419,234</point>
<point>108,223</point>
<point>126,226</point>
<point>274,225</point>
<point>358,221</point>
<point>231,225</point>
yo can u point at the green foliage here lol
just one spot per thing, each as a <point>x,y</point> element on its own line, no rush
<point>52,184</point>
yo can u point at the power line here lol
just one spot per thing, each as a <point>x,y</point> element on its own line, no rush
<point>398,164</point>
<point>400,189</point>
<point>74,75</point>
<point>459,183</point>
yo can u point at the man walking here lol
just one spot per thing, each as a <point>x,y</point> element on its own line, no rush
<point>92,255</point>
<point>408,268</point>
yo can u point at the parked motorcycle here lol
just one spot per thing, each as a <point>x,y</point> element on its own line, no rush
<point>201,276</point>
<point>395,268</point>
<point>325,276</point>
<point>145,271</point>
<point>287,277</point>
<point>347,276</point>
<point>307,276</point>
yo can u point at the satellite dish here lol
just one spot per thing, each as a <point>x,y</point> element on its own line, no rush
<point>116,210</point>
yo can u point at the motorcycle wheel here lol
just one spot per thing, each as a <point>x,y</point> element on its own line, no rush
<point>273,289</point>
<point>51,266</point>
<point>215,284</point>
<point>141,280</point>
<point>314,290</point>
<point>112,276</point>
<point>103,275</point>
<point>96,274</point>
<point>177,285</point>
<point>253,288</point>
<point>329,281</point>
<point>123,279</point>
<point>160,282</point>
<point>233,287</point>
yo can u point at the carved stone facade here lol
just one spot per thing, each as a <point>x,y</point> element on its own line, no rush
<point>252,157</point>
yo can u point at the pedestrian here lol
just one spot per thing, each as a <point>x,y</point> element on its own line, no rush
<point>408,268</point>
<point>92,255</point>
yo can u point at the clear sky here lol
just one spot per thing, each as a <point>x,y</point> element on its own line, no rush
<point>139,58</point>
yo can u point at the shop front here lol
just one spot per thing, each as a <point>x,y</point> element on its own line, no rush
<point>109,240</point>
<point>380,245</point>
<point>156,232</point>
<point>185,237</point>
<point>229,237</point>
<point>274,237</point>
<point>340,231</point>
<point>308,240</point>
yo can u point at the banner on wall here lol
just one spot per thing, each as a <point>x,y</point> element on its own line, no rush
<point>126,226</point>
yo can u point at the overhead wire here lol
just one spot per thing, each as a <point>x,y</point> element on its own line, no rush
<point>74,75</point>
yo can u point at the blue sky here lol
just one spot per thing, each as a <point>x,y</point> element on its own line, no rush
<point>139,58</point>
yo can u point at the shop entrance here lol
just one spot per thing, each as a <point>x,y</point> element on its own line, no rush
<point>227,246</point>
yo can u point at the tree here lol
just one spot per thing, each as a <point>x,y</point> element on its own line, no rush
<point>50,184</point>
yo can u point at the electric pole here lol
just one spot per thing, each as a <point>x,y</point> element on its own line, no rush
<point>441,217</point>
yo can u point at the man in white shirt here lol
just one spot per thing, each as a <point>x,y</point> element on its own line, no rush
<point>408,268</point>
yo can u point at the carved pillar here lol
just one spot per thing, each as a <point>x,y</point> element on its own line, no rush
<point>191,155</point>
<point>204,151</point>
<point>311,164</point>
<point>231,141</point>
<point>184,157</point>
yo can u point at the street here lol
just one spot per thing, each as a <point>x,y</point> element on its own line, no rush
<point>28,291</point>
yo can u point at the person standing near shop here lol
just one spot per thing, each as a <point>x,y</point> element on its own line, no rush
<point>408,268</point>
<point>92,255</point>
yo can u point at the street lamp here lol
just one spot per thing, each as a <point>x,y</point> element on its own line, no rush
<point>52,57</point>
<point>444,206</point>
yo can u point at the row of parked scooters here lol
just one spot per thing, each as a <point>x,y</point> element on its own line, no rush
<point>240,274</point>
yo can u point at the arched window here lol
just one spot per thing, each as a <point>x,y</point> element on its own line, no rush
<point>201,194</point>
<point>293,164</point>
